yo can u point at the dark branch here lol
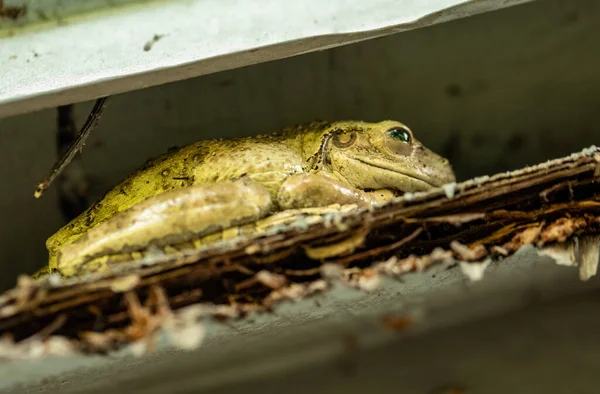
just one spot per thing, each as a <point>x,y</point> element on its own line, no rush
<point>77,146</point>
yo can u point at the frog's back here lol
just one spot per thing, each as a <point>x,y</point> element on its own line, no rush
<point>268,159</point>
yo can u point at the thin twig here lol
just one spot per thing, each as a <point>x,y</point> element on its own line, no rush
<point>77,146</point>
<point>48,330</point>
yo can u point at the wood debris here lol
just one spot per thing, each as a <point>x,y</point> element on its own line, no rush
<point>476,222</point>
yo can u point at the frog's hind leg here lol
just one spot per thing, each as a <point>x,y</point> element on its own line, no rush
<point>175,216</point>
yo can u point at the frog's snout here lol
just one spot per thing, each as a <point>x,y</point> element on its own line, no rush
<point>446,173</point>
<point>437,169</point>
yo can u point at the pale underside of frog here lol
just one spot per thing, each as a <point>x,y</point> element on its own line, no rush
<point>214,185</point>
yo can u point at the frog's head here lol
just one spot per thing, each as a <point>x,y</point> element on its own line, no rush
<point>383,155</point>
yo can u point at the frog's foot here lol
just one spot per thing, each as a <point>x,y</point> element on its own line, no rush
<point>42,273</point>
<point>314,190</point>
<point>175,216</point>
<point>380,196</point>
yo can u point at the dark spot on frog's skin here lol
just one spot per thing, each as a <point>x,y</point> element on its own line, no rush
<point>454,90</point>
<point>120,225</point>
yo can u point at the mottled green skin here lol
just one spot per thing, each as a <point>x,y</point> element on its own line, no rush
<point>373,162</point>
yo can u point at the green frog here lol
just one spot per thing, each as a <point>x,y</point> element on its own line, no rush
<point>213,185</point>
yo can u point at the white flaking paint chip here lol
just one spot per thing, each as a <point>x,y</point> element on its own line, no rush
<point>184,329</point>
<point>597,169</point>
<point>589,254</point>
<point>474,271</point>
<point>139,348</point>
<point>449,189</point>
<point>408,196</point>
<point>187,337</point>
<point>589,150</point>
<point>36,348</point>
<point>332,271</point>
<point>54,279</point>
<point>562,254</point>
<point>369,281</point>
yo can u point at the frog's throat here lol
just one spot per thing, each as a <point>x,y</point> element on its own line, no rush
<point>405,173</point>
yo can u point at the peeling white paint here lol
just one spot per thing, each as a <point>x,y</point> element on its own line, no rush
<point>449,189</point>
<point>563,254</point>
<point>589,254</point>
<point>474,271</point>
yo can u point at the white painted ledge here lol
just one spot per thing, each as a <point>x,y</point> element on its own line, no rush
<point>55,57</point>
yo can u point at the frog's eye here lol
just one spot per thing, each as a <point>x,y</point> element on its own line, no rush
<point>344,139</point>
<point>401,134</point>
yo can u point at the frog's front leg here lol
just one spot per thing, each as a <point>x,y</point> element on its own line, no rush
<point>175,216</point>
<point>314,190</point>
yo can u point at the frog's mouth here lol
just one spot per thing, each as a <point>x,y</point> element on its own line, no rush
<point>408,174</point>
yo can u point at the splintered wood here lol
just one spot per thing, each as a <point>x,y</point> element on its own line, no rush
<point>468,224</point>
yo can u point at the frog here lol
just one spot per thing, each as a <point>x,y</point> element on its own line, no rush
<point>213,185</point>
